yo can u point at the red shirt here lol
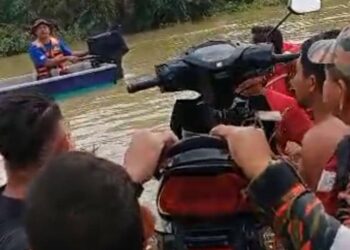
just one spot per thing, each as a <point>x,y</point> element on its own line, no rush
<point>326,190</point>
<point>278,79</point>
<point>295,121</point>
<point>291,47</point>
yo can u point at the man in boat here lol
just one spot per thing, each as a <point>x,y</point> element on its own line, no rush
<point>49,53</point>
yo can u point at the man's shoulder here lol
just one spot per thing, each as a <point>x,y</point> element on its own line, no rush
<point>326,134</point>
<point>34,44</point>
<point>61,42</point>
<point>10,209</point>
<point>12,233</point>
<point>33,48</point>
<point>13,236</point>
<point>332,128</point>
<point>314,134</point>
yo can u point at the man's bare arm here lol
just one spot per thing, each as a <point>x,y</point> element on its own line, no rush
<point>80,53</point>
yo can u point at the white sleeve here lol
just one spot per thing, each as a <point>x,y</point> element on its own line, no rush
<point>342,239</point>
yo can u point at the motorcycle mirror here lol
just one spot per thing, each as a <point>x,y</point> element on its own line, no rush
<point>300,7</point>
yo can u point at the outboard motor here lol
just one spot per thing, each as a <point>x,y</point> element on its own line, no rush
<point>109,47</point>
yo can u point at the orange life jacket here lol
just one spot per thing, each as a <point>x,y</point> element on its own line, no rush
<point>54,52</point>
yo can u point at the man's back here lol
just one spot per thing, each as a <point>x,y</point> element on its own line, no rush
<point>319,146</point>
<point>34,120</point>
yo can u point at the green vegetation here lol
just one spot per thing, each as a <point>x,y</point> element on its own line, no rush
<point>78,19</point>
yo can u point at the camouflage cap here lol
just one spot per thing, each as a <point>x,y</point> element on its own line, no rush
<point>333,51</point>
<point>39,22</point>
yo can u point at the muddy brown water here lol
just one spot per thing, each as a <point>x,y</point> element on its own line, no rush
<point>106,118</point>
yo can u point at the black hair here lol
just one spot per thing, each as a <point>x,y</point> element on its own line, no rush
<point>260,35</point>
<point>81,202</point>
<point>310,68</point>
<point>28,122</point>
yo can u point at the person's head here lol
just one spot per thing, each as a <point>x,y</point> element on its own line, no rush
<point>335,54</point>
<point>42,29</point>
<point>81,202</point>
<point>261,35</point>
<point>309,78</point>
<point>31,130</point>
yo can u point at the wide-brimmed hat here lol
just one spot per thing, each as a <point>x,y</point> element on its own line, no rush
<point>333,51</point>
<point>38,22</point>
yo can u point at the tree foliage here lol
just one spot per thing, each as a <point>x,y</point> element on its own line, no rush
<point>80,18</point>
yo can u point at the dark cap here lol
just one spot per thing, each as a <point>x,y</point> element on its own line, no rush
<point>39,22</point>
<point>333,51</point>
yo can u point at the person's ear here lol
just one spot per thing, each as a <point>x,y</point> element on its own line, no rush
<point>312,83</point>
<point>63,143</point>
<point>343,93</point>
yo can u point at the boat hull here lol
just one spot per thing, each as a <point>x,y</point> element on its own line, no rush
<point>82,77</point>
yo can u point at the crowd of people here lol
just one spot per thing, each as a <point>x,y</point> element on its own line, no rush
<point>57,198</point>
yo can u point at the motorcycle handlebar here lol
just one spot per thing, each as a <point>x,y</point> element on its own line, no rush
<point>284,58</point>
<point>148,82</point>
<point>143,83</point>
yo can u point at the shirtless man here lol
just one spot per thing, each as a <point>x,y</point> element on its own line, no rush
<point>318,164</point>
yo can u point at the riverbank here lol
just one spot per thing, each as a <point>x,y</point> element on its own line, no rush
<point>97,17</point>
<point>155,46</point>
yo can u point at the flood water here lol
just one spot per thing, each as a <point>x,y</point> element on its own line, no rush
<point>106,118</point>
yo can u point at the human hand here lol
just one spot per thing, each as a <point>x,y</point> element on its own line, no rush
<point>144,152</point>
<point>293,151</point>
<point>73,59</point>
<point>248,147</point>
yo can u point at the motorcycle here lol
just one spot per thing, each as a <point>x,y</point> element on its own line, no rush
<point>201,191</point>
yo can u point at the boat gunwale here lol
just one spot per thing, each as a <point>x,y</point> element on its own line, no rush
<point>103,67</point>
